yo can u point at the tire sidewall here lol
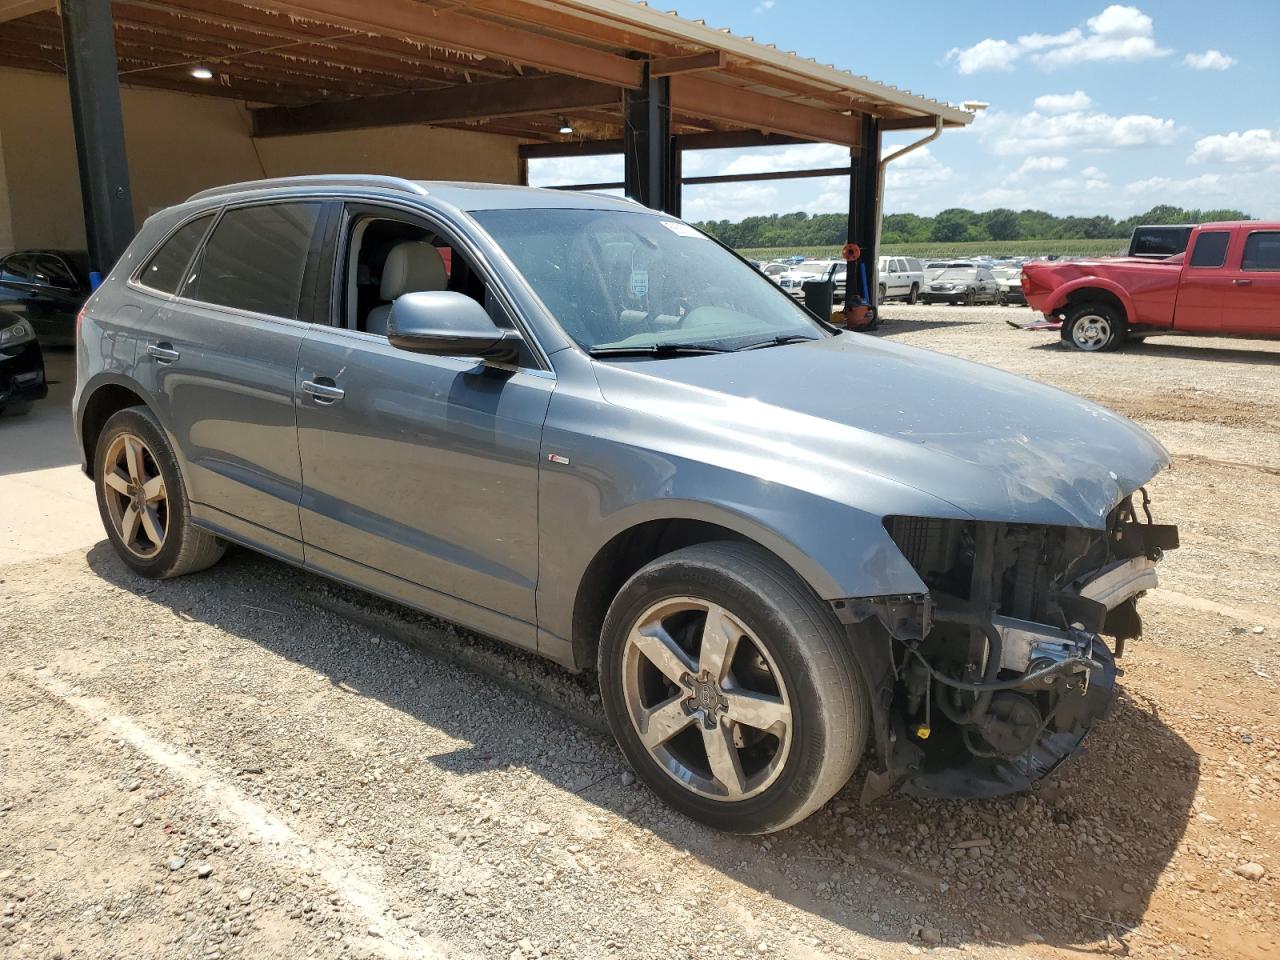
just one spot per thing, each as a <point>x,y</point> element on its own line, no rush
<point>142,423</point>
<point>777,805</point>
<point>1076,314</point>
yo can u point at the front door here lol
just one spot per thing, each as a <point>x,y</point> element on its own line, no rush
<point>1205,283</point>
<point>224,354</point>
<point>420,473</point>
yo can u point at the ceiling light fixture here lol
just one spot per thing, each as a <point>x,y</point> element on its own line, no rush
<point>201,72</point>
<point>565,126</point>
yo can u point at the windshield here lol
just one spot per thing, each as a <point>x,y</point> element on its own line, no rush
<point>617,280</point>
<point>958,273</point>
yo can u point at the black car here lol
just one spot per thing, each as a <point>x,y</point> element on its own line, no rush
<point>21,365</point>
<point>47,288</point>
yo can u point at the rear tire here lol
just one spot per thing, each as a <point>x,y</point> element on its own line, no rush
<point>143,501</point>
<point>18,408</point>
<point>1093,328</point>
<point>914,295</point>
<point>749,742</point>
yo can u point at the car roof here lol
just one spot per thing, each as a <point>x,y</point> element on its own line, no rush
<point>463,195</point>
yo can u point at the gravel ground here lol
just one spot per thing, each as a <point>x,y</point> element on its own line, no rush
<point>255,763</point>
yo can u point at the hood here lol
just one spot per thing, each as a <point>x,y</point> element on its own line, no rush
<point>994,446</point>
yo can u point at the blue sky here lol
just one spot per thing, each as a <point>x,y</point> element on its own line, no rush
<point>1095,107</point>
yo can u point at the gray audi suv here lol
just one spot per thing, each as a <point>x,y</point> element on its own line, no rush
<point>590,430</point>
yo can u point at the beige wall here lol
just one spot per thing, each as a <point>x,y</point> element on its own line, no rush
<point>179,144</point>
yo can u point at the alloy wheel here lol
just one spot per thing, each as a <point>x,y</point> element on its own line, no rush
<point>1091,332</point>
<point>135,494</point>
<point>706,699</point>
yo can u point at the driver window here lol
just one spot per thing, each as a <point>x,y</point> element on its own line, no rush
<point>387,258</point>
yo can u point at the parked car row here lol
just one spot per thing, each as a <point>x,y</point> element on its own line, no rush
<point>909,279</point>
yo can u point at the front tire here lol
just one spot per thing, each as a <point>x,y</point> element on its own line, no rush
<point>731,689</point>
<point>143,501</point>
<point>1093,328</point>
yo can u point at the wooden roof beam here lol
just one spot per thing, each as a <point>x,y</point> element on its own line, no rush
<point>477,101</point>
<point>459,31</point>
<point>14,9</point>
<point>699,97</point>
<point>667,66</point>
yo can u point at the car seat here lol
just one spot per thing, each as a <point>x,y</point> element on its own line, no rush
<point>411,267</point>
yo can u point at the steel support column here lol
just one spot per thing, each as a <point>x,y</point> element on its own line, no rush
<point>869,209</point>
<point>90,44</point>
<point>649,152</point>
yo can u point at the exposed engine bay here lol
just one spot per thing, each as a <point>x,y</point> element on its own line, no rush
<point>985,684</point>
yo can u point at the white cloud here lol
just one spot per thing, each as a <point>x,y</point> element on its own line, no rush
<point>764,6</point>
<point>1209,60</point>
<point>800,157</point>
<point>569,170</point>
<point>1077,130</point>
<point>1033,165</point>
<point>1063,102</point>
<point>916,169</point>
<point>1252,147</point>
<point>1172,189</point>
<point>985,55</point>
<point>733,203</point>
<point>1119,33</point>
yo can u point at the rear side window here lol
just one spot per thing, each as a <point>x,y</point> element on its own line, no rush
<point>16,267</point>
<point>51,270</point>
<point>256,257</point>
<point>165,269</point>
<point>1211,249</point>
<point>1262,252</point>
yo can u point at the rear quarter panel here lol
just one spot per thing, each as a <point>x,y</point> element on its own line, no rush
<point>1148,289</point>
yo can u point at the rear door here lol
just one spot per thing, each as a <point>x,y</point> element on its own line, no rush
<point>223,355</point>
<point>15,283</point>
<point>421,472</point>
<point>1205,282</point>
<point>1252,302</point>
<point>55,297</point>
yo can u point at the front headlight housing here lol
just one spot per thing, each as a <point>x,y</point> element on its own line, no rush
<point>12,334</point>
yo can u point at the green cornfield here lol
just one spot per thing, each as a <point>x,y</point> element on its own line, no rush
<point>993,248</point>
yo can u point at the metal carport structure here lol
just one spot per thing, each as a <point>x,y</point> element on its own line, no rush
<point>623,76</point>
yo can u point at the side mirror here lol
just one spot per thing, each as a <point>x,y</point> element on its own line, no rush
<point>445,323</point>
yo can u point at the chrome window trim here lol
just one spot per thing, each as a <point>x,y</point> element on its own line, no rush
<point>459,240</point>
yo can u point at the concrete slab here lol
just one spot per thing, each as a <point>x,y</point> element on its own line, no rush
<point>47,506</point>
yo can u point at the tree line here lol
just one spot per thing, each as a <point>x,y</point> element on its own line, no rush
<point>955,225</point>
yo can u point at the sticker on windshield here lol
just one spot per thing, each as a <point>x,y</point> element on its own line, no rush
<point>639,283</point>
<point>680,229</point>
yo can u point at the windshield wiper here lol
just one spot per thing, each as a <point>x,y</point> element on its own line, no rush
<point>659,350</point>
<point>779,341</point>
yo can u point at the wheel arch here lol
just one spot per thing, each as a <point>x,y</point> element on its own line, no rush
<point>100,402</point>
<point>644,541</point>
<point>1094,290</point>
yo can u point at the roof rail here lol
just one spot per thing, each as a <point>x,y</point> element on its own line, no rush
<point>313,180</point>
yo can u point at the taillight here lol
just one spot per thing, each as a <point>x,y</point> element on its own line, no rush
<point>80,319</point>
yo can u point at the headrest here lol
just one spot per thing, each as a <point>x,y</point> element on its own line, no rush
<point>412,266</point>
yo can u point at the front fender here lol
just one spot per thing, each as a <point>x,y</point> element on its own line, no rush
<point>609,488</point>
<point>1058,298</point>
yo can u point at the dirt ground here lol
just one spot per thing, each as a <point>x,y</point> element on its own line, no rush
<point>253,762</point>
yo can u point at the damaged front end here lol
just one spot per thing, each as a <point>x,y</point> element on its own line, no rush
<point>982,686</point>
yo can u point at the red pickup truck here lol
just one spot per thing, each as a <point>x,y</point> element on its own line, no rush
<point>1226,284</point>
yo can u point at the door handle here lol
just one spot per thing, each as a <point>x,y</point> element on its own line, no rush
<point>1242,282</point>
<point>323,390</point>
<point>163,352</point>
